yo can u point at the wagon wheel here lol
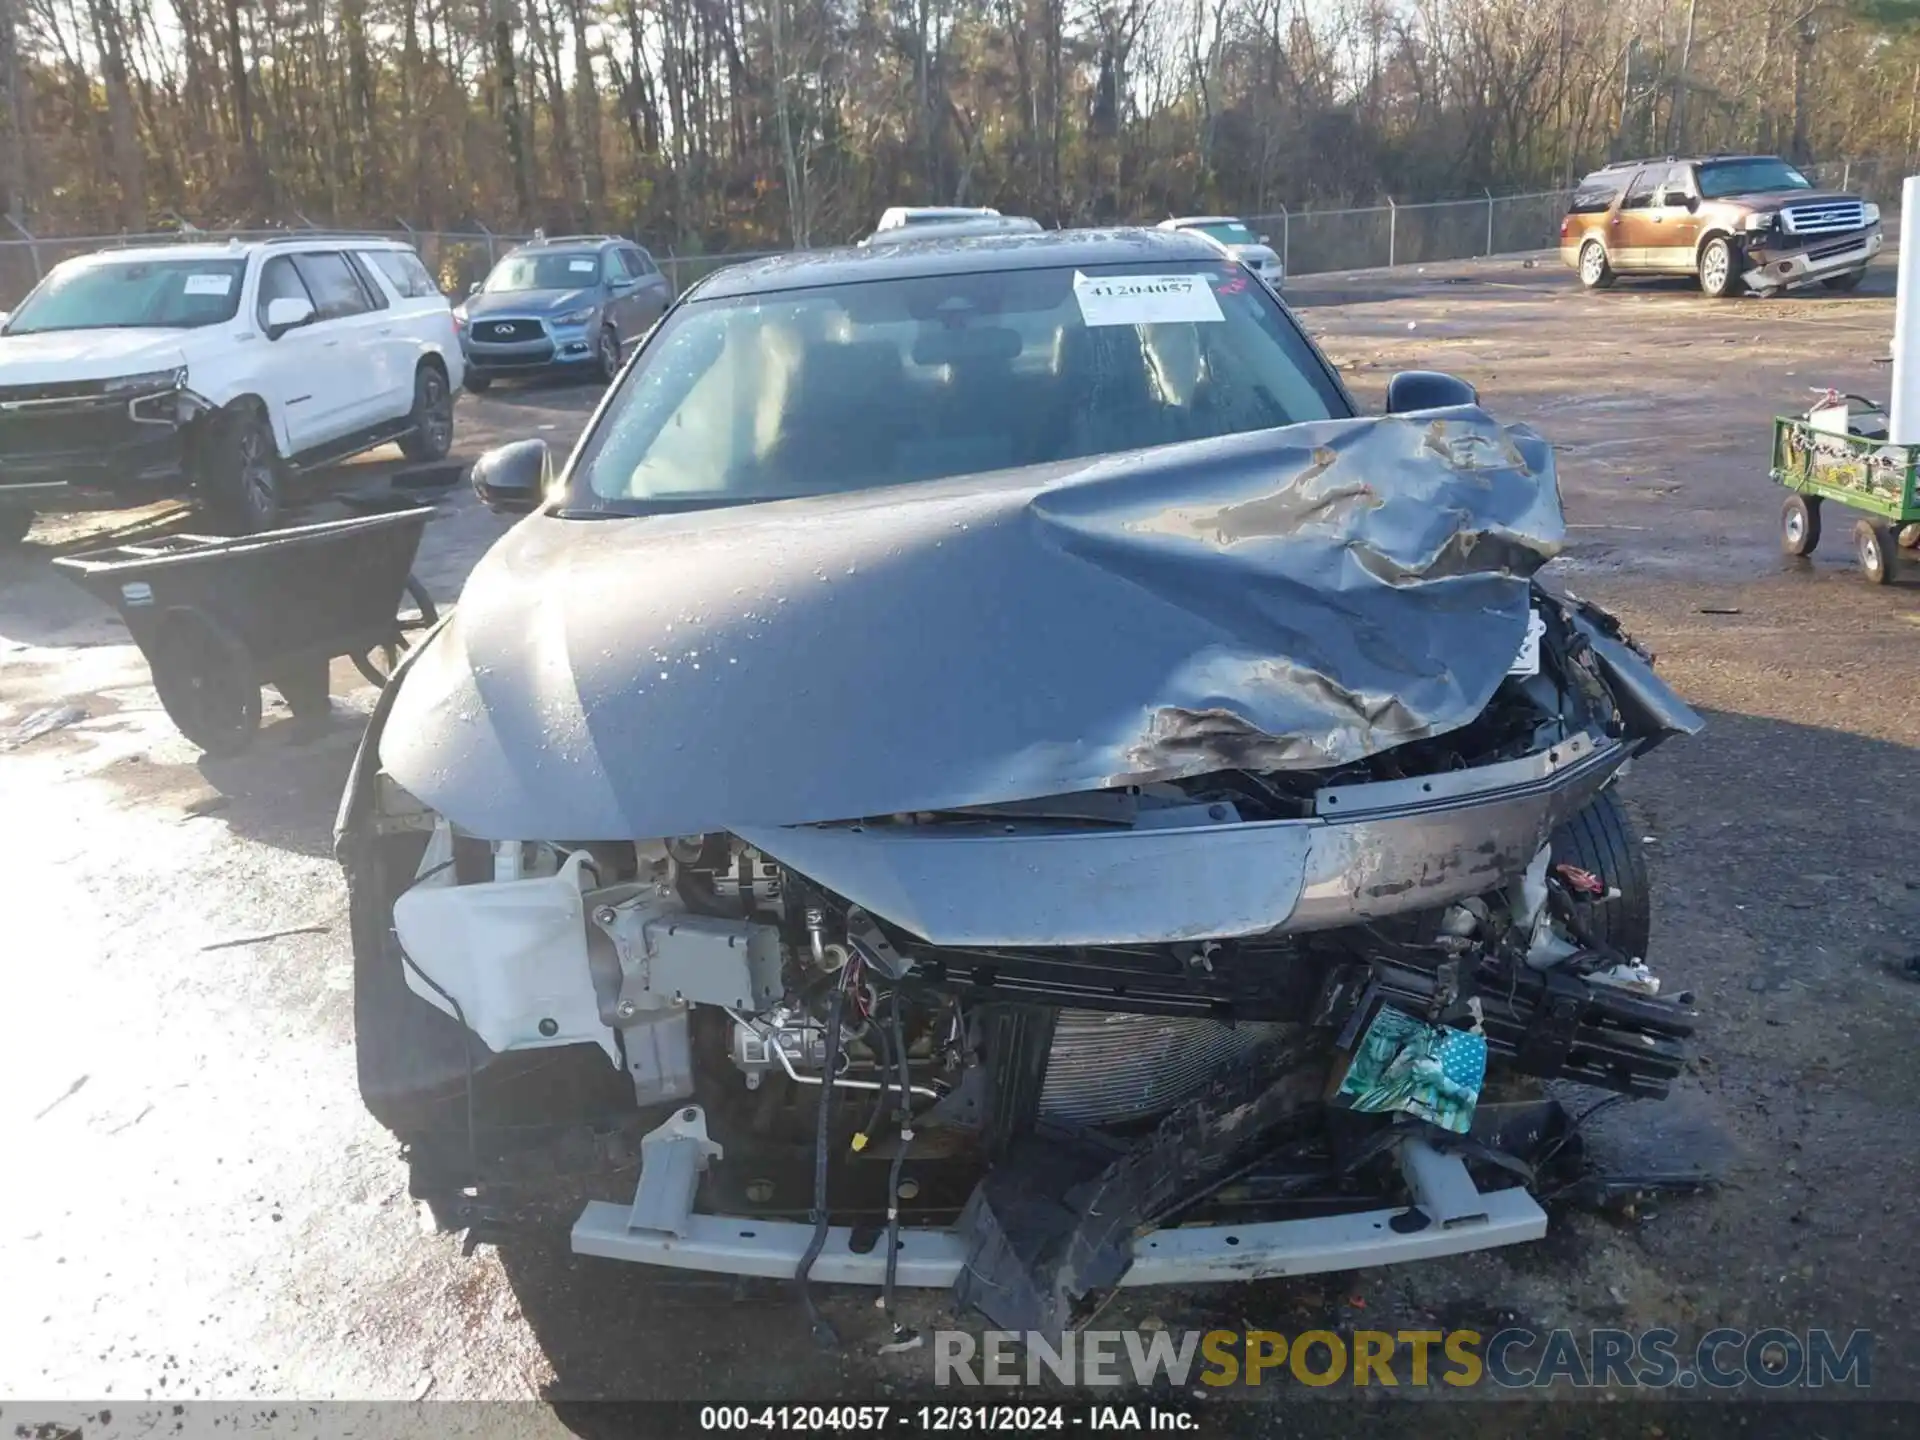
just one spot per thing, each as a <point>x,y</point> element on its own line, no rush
<point>1874,545</point>
<point>379,663</point>
<point>1800,525</point>
<point>206,682</point>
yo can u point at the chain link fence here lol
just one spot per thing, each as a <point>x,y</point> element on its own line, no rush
<point>1309,241</point>
<point>1313,242</point>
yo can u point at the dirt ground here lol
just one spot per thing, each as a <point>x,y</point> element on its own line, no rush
<point>199,1207</point>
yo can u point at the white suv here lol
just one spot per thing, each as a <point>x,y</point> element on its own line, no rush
<point>1240,243</point>
<point>130,375</point>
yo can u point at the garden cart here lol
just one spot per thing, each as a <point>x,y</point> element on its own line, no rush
<point>1839,451</point>
<point>217,617</point>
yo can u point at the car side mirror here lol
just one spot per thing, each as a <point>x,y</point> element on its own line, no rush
<point>512,479</point>
<point>1692,202</point>
<point>474,288</point>
<point>288,312</point>
<point>1266,239</point>
<point>1412,390</point>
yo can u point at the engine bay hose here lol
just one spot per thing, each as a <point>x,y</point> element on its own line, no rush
<point>905,1114</point>
<point>823,1332</point>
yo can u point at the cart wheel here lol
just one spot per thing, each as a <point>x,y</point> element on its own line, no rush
<point>1800,525</point>
<point>1874,544</point>
<point>1909,537</point>
<point>305,690</point>
<point>206,682</point>
<point>378,665</point>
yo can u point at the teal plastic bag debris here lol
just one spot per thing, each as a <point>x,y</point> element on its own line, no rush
<point>1432,1072</point>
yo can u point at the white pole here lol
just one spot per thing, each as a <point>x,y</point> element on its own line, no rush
<point>1903,419</point>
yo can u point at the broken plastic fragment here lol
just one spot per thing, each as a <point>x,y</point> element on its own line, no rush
<point>1432,1072</point>
<point>1633,975</point>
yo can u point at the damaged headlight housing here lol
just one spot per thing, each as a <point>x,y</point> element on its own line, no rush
<point>150,382</point>
<point>159,397</point>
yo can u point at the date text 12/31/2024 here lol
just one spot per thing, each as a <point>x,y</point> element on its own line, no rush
<point>942,1419</point>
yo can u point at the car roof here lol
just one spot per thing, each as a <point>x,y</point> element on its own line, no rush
<point>567,242</point>
<point>1676,160</point>
<point>966,255</point>
<point>957,211</point>
<point>952,228</point>
<point>291,243</point>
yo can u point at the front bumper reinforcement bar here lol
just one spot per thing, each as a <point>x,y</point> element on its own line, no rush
<point>662,1228</point>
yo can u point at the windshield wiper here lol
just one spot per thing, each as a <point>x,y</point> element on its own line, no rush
<point>640,509</point>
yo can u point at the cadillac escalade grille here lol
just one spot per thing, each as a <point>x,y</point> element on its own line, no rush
<point>1823,217</point>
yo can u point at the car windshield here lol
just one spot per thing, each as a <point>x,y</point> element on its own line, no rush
<point>1227,232</point>
<point>95,294</point>
<point>565,270</point>
<point>850,387</point>
<point>1749,177</point>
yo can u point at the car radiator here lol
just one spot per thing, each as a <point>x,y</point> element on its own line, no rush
<point>1107,1068</point>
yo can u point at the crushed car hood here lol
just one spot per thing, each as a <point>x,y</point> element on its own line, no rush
<point>1292,599</point>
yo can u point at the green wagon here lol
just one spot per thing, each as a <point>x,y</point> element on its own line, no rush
<point>1858,469</point>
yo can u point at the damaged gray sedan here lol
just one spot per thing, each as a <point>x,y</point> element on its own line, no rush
<point>996,776</point>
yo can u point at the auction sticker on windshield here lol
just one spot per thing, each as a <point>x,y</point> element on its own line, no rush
<point>208,284</point>
<point>1145,300</point>
<point>581,267</point>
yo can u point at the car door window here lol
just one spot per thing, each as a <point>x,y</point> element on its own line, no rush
<point>336,289</point>
<point>407,273</point>
<point>613,266</point>
<point>1640,192</point>
<point>279,281</point>
<point>1676,186</point>
<point>641,263</point>
<point>1596,193</point>
<point>376,292</point>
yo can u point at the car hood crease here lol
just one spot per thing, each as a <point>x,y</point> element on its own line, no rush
<point>1296,598</point>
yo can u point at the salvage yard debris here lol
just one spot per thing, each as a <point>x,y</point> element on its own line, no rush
<point>43,722</point>
<point>265,935</point>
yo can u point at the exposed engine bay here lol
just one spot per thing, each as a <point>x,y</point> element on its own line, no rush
<point>1041,1028</point>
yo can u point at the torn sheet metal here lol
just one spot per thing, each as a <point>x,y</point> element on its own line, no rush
<point>1290,599</point>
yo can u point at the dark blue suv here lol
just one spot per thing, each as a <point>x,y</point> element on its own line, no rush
<point>576,303</point>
